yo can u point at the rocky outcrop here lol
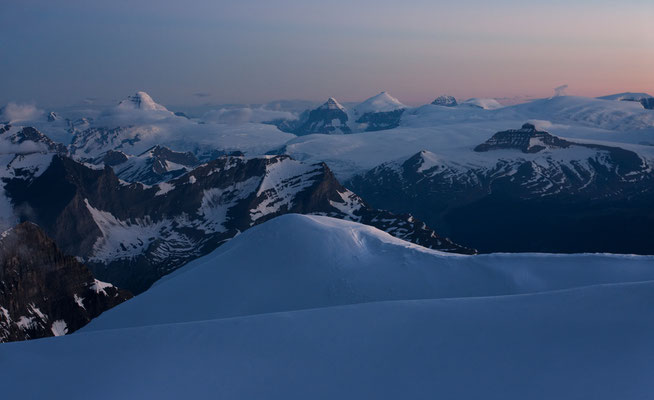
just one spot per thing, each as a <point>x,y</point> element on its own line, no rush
<point>44,292</point>
<point>526,139</point>
<point>445,101</point>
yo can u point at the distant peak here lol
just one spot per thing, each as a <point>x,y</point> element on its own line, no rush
<point>141,101</point>
<point>445,101</point>
<point>382,102</point>
<point>332,104</point>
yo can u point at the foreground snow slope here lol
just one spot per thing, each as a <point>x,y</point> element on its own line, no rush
<point>299,262</point>
<point>586,343</point>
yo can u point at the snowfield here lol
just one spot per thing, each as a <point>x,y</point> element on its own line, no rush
<point>314,307</point>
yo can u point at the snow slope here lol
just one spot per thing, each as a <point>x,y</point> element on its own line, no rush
<point>299,262</point>
<point>383,102</point>
<point>581,342</point>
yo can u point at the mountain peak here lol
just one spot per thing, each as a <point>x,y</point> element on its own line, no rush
<point>141,101</point>
<point>382,102</point>
<point>332,104</point>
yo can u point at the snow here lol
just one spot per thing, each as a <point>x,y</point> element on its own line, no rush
<point>79,300</point>
<point>324,308</point>
<point>141,101</point>
<point>216,203</point>
<point>122,239</point>
<point>486,104</point>
<point>450,133</point>
<point>383,102</point>
<point>299,262</point>
<point>284,178</point>
<point>59,328</point>
<point>99,287</point>
<point>627,96</point>
<point>25,322</point>
<point>331,104</point>
<point>164,188</point>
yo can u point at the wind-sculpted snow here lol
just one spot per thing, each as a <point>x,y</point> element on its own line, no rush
<point>394,321</point>
<point>300,262</point>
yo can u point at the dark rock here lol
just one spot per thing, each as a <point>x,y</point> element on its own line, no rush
<point>648,103</point>
<point>44,292</point>
<point>445,101</point>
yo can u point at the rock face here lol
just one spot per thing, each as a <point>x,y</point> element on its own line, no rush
<point>44,292</point>
<point>132,234</point>
<point>445,101</point>
<point>525,190</point>
<point>648,103</point>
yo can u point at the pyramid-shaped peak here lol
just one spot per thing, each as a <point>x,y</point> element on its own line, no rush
<point>332,104</point>
<point>141,101</point>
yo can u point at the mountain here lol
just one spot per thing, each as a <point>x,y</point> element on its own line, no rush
<point>526,139</point>
<point>445,101</point>
<point>44,292</point>
<point>156,165</point>
<point>524,190</point>
<point>329,118</point>
<point>24,154</point>
<point>140,101</point>
<point>138,123</point>
<point>132,234</point>
<point>379,112</point>
<point>384,319</point>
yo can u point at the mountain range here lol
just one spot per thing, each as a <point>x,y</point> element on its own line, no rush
<point>136,191</point>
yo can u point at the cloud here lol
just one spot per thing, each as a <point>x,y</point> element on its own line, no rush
<point>14,112</point>
<point>560,90</point>
<point>26,147</point>
<point>202,94</point>
<point>244,115</point>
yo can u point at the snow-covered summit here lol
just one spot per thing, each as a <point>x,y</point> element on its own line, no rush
<point>486,104</point>
<point>331,104</point>
<point>382,102</point>
<point>141,101</point>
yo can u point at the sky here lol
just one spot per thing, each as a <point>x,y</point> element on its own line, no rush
<point>196,52</point>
